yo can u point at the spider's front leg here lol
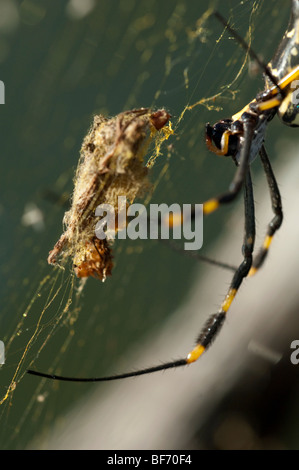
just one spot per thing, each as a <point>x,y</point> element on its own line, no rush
<point>229,138</point>
<point>227,145</point>
<point>243,131</point>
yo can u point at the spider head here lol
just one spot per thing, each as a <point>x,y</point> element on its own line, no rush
<point>222,138</point>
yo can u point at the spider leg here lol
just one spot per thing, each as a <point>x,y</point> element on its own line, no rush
<point>198,257</point>
<point>215,321</point>
<point>249,123</point>
<point>265,68</point>
<point>277,209</point>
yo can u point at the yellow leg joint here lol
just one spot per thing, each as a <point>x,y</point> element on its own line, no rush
<point>252,271</point>
<point>195,353</point>
<point>228,300</point>
<point>267,242</point>
<point>210,206</point>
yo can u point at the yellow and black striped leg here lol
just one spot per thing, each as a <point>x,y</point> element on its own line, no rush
<point>215,321</point>
<point>211,205</point>
<point>277,209</point>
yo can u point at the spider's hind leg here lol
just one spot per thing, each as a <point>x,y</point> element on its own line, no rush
<point>215,321</point>
<point>276,222</point>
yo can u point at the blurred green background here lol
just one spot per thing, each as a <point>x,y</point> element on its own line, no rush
<point>61,63</point>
